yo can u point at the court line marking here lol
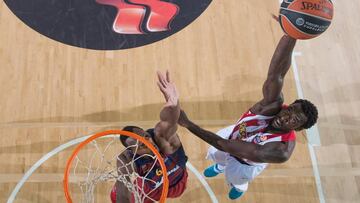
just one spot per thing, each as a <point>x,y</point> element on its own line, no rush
<point>311,134</point>
<point>81,139</point>
<point>203,182</point>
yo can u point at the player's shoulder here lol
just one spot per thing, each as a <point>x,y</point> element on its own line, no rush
<point>268,108</point>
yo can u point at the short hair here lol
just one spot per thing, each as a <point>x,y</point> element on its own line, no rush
<point>129,128</point>
<point>310,112</point>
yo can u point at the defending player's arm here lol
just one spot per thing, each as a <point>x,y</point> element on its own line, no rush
<point>166,129</point>
<point>276,152</point>
<point>123,167</point>
<point>279,66</point>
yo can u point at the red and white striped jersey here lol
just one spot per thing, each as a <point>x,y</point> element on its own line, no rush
<point>251,128</point>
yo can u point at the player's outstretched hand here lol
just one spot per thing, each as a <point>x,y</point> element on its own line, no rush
<point>183,119</point>
<point>168,89</point>
<point>275,17</point>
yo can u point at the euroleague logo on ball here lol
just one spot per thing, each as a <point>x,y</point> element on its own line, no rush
<point>107,24</point>
<point>300,21</point>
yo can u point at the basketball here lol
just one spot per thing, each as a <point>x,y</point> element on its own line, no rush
<point>305,19</point>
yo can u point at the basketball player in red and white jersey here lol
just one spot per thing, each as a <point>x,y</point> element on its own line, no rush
<point>166,140</point>
<point>263,134</point>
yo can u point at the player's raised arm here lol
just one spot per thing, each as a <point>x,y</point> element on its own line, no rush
<point>279,66</point>
<point>169,115</point>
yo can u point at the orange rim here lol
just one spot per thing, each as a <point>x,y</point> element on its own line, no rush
<point>109,132</point>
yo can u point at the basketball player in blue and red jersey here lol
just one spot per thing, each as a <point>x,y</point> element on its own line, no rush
<point>166,140</point>
<point>263,134</point>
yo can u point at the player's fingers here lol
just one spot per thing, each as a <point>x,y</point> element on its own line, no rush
<point>163,90</point>
<point>161,87</point>
<point>159,75</point>
<point>182,114</point>
<point>167,76</point>
<point>275,17</point>
<point>162,78</point>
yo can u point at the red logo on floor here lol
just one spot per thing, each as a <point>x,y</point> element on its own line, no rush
<point>108,24</point>
<point>131,16</point>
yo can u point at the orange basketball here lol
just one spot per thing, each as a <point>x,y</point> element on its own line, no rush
<point>305,19</point>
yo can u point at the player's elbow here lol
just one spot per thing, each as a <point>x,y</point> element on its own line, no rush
<point>276,156</point>
<point>275,77</point>
<point>283,157</point>
<point>280,156</point>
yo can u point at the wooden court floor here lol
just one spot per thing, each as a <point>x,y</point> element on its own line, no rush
<point>53,93</point>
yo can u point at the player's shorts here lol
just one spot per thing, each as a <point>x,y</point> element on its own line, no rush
<point>175,191</point>
<point>237,174</point>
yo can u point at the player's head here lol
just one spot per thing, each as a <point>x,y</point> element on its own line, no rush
<point>299,115</point>
<point>129,141</point>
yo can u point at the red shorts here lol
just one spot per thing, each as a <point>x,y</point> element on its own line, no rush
<point>174,191</point>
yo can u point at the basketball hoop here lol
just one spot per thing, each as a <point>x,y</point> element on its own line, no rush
<point>100,168</point>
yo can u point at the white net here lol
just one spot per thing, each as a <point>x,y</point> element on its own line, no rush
<point>99,165</point>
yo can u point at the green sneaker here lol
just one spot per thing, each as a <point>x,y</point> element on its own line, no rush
<point>234,193</point>
<point>212,171</point>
